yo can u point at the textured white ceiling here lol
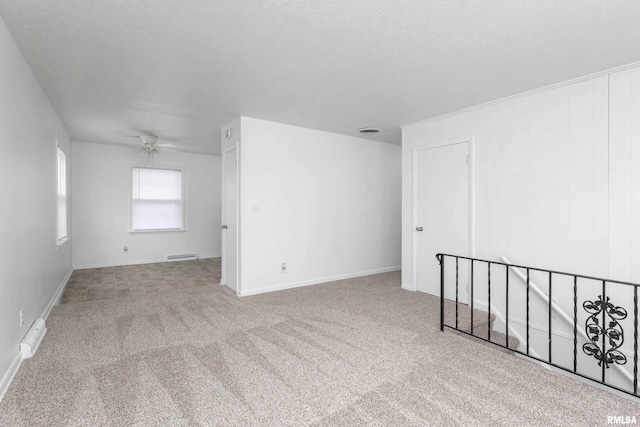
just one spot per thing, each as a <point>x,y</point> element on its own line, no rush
<point>183,68</point>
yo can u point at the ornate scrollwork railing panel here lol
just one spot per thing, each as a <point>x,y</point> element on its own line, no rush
<point>610,329</point>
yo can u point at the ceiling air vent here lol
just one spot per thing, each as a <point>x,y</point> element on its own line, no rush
<point>368,131</point>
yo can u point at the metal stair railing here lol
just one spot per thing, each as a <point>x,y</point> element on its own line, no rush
<point>603,330</point>
<point>558,310</point>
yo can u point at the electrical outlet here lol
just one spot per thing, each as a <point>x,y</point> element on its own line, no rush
<point>125,249</point>
<point>21,317</point>
<point>284,266</point>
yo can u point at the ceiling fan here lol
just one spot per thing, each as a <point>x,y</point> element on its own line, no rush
<point>149,146</point>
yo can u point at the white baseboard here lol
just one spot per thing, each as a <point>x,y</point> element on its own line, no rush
<point>55,300</point>
<point>17,361</point>
<point>209,256</point>
<point>119,263</point>
<point>8,376</point>
<point>300,284</point>
<point>408,287</point>
<point>138,262</point>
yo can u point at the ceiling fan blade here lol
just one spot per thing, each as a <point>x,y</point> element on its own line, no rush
<point>165,145</point>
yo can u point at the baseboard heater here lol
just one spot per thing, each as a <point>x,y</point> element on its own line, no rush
<point>182,257</point>
<point>33,338</point>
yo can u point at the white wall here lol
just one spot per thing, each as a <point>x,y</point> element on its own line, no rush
<point>556,181</point>
<point>540,177</point>
<point>32,269</point>
<point>101,207</point>
<point>329,206</point>
<point>557,186</point>
<point>230,237</point>
<point>624,175</point>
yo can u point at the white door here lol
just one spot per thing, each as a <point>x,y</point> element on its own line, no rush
<point>442,217</point>
<point>230,226</point>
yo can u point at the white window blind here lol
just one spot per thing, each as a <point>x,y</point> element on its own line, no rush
<point>157,199</point>
<point>62,197</point>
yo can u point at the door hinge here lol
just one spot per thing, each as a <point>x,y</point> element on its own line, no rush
<point>467,159</point>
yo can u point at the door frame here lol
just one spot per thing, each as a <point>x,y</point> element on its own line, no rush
<point>470,140</point>
<point>225,152</point>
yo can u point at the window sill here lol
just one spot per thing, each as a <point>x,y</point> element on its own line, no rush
<point>62,241</point>
<point>171,230</point>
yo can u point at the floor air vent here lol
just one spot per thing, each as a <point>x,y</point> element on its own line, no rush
<point>32,340</point>
<point>182,257</point>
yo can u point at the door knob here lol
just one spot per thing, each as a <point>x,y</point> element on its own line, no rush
<point>419,228</point>
<point>224,227</point>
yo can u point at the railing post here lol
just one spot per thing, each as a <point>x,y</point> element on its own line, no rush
<point>457,285</point>
<point>550,308</point>
<point>489,301</point>
<point>575,323</point>
<point>506,326</point>
<point>441,259</point>
<point>471,281</point>
<point>635,340</point>
<point>528,311</point>
<point>604,329</point>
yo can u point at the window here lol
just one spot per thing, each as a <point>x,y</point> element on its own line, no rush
<point>157,199</point>
<point>62,198</point>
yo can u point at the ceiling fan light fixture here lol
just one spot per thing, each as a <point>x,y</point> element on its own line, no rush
<point>149,146</point>
<point>369,131</point>
<point>148,139</point>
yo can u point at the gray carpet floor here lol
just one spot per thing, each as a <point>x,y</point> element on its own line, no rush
<point>353,352</point>
<point>141,279</point>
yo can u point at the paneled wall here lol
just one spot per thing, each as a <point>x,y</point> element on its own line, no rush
<point>541,177</point>
<point>624,175</point>
<point>557,186</point>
